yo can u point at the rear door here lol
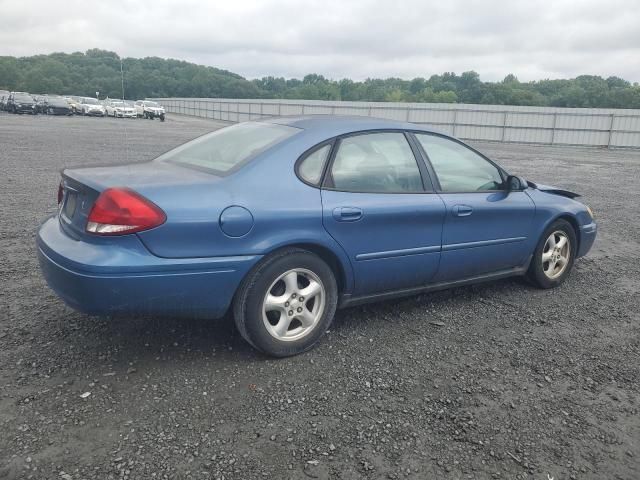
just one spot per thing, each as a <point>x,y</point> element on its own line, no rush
<point>378,204</point>
<point>486,226</point>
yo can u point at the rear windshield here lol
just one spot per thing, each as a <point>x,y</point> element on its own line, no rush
<point>23,98</point>
<point>224,149</point>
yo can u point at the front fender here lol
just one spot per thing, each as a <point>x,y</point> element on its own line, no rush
<point>550,207</point>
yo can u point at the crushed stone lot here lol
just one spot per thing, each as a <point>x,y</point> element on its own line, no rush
<point>499,380</point>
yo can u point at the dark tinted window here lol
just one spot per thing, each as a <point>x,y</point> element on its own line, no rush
<point>459,169</point>
<point>376,163</point>
<point>310,169</point>
<point>223,149</point>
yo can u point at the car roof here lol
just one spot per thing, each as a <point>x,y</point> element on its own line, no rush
<point>340,124</point>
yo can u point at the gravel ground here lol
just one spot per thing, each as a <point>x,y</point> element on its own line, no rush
<point>492,381</point>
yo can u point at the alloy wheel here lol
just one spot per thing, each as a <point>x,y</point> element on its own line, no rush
<point>556,254</point>
<point>293,304</point>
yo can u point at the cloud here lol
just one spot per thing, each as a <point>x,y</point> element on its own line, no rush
<point>355,39</point>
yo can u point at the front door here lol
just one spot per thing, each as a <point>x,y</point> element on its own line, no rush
<point>377,207</point>
<point>486,226</point>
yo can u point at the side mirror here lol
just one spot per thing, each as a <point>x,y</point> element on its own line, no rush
<point>515,183</point>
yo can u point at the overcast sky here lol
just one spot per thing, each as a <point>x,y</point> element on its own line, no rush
<point>348,38</point>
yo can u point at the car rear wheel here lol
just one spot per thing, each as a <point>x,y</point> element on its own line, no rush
<point>286,303</point>
<point>554,256</point>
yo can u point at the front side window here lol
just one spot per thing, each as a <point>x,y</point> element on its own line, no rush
<point>310,169</point>
<point>376,163</point>
<point>226,148</point>
<point>459,169</point>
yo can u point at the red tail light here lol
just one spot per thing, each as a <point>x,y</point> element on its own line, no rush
<point>60,193</point>
<point>119,211</point>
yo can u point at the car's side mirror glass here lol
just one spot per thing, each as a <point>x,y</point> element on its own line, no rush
<point>515,183</point>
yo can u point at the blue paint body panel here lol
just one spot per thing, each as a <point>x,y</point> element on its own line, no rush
<point>494,236</point>
<point>219,227</point>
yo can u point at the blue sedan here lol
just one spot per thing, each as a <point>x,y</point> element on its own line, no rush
<point>284,220</point>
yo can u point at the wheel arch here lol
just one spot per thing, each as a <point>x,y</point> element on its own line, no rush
<point>330,258</point>
<point>571,219</point>
<point>331,253</point>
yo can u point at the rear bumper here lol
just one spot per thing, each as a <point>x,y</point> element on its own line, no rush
<point>123,277</point>
<point>587,237</point>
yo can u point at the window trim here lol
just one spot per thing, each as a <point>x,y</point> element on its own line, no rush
<point>501,171</point>
<point>309,152</point>
<point>327,180</point>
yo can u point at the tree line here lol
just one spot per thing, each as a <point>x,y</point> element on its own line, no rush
<point>99,70</point>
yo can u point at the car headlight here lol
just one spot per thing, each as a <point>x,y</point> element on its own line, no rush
<point>591,214</point>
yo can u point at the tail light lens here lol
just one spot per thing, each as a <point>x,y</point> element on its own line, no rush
<point>60,193</point>
<point>119,211</point>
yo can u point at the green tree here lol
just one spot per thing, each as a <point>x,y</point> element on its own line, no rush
<point>99,70</point>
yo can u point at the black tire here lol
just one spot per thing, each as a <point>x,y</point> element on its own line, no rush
<point>247,303</point>
<point>536,273</point>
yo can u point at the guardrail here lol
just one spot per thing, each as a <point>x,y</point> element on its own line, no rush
<point>610,128</point>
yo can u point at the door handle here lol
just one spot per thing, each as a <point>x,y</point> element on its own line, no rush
<point>462,210</point>
<point>347,214</point>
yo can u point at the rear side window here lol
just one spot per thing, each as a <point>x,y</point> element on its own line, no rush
<point>376,163</point>
<point>459,169</point>
<point>310,169</point>
<point>224,149</point>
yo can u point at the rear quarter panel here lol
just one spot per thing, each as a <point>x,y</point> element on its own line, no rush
<point>285,211</point>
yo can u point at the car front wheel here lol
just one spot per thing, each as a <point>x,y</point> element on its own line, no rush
<point>286,303</point>
<point>554,255</point>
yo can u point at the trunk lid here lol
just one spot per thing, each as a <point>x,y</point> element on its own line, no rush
<point>153,180</point>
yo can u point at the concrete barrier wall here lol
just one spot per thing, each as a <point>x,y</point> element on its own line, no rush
<point>594,127</point>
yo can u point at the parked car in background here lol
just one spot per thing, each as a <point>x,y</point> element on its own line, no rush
<point>150,110</point>
<point>55,105</point>
<point>21,102</point>
<point>4,96</point>
<point>40,100</point>
<point>366,209</point>
<point>119,108</point>
<point>75,104</point>
<point>91,106</point>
